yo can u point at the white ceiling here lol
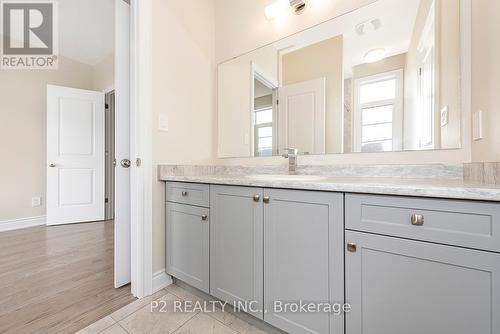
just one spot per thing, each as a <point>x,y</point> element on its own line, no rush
<point>86,29</point>
<point>398,21</point>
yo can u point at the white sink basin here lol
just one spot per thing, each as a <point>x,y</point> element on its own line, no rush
<point>269,177</point>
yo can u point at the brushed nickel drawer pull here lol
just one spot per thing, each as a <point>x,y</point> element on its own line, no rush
<point>352,247</point>
<point>417,220</point>
<point>184,193</point>
<point>204,217</point>
<point>266,199</point>
<point>256,198</point>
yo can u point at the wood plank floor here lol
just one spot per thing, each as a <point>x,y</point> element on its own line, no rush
<point>57,279</point>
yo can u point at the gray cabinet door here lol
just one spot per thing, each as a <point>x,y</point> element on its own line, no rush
<point>303,258</point>
<point>187,235</point>
<point>399,286</point>
<point>236,246</point>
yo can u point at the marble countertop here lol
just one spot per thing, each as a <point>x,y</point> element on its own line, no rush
<point>453,189</point>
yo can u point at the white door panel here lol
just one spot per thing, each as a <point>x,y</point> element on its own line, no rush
<point>122,144</point>
<point>75,154</point>
<point>302,116</point>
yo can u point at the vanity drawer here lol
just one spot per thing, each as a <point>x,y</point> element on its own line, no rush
<point>188,193</point>
<point>454,222</point>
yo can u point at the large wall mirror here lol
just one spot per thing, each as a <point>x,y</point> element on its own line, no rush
<point>385,77</point>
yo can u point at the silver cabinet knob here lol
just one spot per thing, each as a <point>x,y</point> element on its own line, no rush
<point>52,165</point>
<point>352,247</point>
<point>184,193</point>
<point>204,217</point>
<point>417,220</point>
<point>125,163</point>
<point>266,199</point>
<point>256,198</point>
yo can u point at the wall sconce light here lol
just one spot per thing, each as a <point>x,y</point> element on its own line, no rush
<point>282,7</point>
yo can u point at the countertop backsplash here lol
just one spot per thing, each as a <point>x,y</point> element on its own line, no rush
<point>428,171</point>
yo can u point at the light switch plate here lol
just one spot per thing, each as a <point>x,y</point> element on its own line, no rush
<point>445,116</point>
<point>477,125</point>
<point>36,201</point>
<point>163,122</point>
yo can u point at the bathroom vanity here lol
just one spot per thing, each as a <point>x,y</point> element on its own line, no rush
<point>404,264</point>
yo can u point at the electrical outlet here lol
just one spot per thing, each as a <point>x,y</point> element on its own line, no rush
<point>163,122</point>
<point>477,125</point>
<point>36,201</point>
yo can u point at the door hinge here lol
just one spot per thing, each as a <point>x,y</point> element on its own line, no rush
<point>106,106</point>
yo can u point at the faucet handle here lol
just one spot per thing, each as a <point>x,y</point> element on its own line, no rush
<point>290,152</point>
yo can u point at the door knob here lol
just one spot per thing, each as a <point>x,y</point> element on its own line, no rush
<point>256,198</point>
<point>266,199</point>
<point>204,217</point>
<point>52,165</point>
<point>125,163</point>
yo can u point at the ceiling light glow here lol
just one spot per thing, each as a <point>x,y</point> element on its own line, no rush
<point>278,9</point>
<point>375,55</point>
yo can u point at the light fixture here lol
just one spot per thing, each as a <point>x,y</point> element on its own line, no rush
<point>375,55</point>
<point>298,6</point>
<point>368,26</point>
<point>282,7</point>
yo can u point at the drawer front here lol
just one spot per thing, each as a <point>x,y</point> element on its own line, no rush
<point>188,193</point>
<point>460,223</point>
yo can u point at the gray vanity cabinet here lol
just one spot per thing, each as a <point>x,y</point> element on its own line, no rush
<point>236,246</point>
<point>303,257</point>
<point>399,286</point>
<point>187,234</point>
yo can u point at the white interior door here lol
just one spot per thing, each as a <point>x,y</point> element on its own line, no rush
<point>75,155</point>
<point>122,144</point>
<point>302,115</point>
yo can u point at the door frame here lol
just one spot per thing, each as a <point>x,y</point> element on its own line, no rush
<point>141,140</point>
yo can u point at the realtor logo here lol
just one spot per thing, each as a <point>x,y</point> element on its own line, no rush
<point>29,35</point>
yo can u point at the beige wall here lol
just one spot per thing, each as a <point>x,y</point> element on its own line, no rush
<point>184,89</point>
<point>485,77</point>
<point>104,74</point>
<point>23,133</point>
<point>234,83</point>
<point>323,59</point>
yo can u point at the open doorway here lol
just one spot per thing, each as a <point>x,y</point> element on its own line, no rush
<point>64,143</point>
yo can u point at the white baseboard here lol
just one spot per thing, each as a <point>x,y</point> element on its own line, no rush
<point>161,280</point>
<point>16,224</point>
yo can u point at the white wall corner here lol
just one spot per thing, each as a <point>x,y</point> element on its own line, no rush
<point>161,280</point>
<point>16,224</point>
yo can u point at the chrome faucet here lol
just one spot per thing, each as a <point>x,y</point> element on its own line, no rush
<point>291,154</point>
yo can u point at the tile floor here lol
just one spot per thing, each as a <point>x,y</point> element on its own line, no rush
<point>137,318</point>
